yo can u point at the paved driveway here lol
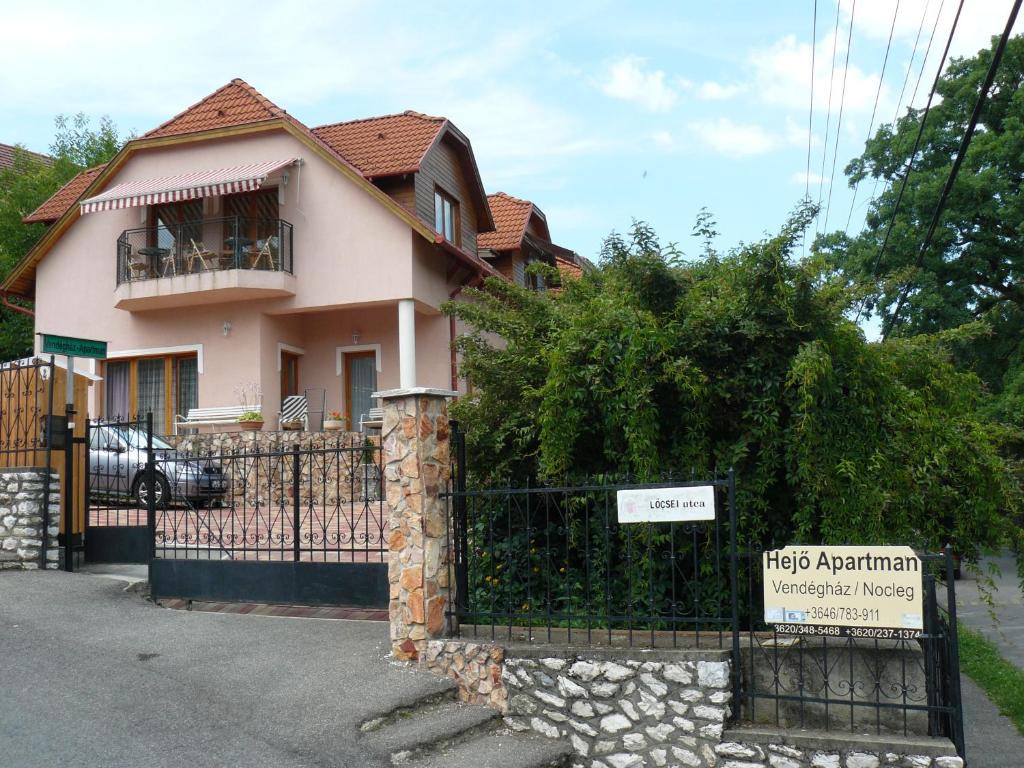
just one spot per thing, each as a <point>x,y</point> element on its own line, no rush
<point>93,676</point>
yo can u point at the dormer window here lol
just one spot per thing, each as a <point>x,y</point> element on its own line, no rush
<point>446,216</point>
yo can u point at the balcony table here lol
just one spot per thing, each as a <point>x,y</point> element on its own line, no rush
<point>153,256</point>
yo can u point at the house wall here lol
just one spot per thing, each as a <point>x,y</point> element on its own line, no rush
<point>401,189</point>
<point>441,167</point>
<point>349,250</point>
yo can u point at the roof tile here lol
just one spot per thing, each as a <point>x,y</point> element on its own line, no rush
<point>511,216</point>
<point>383,146</point>
<point>236,103</point>
<point>65,197</point>
<point>7,156</point>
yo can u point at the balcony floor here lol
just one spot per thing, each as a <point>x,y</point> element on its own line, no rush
<point>203,288</point>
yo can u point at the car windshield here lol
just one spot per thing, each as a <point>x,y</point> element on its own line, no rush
<point>136,438</point>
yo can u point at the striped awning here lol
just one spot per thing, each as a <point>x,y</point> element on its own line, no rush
<point>187,186</point>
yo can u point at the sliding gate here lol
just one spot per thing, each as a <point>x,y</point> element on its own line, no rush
<point>289,523</point>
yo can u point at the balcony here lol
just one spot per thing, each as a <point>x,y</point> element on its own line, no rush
<point>195,262</point>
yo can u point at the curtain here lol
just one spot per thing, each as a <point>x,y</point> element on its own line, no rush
<point>151,393</point>
<point>117,405</point>
<point>363,382</point>
<point>186,385</point>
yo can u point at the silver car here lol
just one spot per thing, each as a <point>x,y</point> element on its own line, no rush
<point>117,464</point>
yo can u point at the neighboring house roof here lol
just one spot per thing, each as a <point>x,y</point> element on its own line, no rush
<point>511,218</point>
<point>64,198</point>
<point>393,145</point>
<point>384,146</point>
<point>234,108</point>
<point>7,156</point>
<point>568,268</point>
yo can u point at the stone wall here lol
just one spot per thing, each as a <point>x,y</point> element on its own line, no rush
<point>775,748</point>
<point>22,519</point>
<point>624,708</point>
<point>475,667</point>
<point>249,458</point>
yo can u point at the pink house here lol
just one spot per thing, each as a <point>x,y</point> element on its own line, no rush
<point>233,248</point>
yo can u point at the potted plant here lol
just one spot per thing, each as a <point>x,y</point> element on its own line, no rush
<point>292,425</point>
<point>251,420</point>
<point>335,421</point>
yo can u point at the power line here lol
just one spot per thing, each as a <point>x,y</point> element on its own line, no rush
<point>965,143</point>
<point>874,109</point>
<point>839,123</point>
<point>810,114</point>
<point>828,113</point>
<point>917,143</point>
<point>920,73</point>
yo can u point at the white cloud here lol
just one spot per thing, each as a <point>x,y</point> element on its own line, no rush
<point>712,91</point>
<point>663,139</point>
<point>734,139</point>
<point>629,80</point>
<point>803,178</point>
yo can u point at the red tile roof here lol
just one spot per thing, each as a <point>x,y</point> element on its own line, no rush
<point>65,197</point>
<point>237,103</point>
<point>511,217</point>
<point>7,156</point>
<point>383,146</point>
<point>568,268</point>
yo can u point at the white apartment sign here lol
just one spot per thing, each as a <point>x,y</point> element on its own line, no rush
<point>844,591</point>
<point>667,505</point>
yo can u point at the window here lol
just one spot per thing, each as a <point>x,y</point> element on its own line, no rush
<point>446,216</point>
<point>165,386</point>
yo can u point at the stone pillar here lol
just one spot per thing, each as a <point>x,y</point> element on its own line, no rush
<point>23,519</point>
<point>416,470</point>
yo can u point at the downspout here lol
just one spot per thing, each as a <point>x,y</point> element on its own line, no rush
<point>15,307</point>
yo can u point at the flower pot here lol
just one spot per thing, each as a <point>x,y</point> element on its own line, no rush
<point>333,425</point>
<point>291,426</point>
<point>251,426</point>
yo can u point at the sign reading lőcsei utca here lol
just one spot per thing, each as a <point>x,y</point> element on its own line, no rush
<point>844,591</point>
<point>667,505</point>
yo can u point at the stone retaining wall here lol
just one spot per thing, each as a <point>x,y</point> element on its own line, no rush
<point>326,477</point>
<point>795,749</point>
<point>624,708</point>
<point>22,518</point>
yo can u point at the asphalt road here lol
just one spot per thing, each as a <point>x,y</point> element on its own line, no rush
<point>1006,630</point>
<point>92,676</point>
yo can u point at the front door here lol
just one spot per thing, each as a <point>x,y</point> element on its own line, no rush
<point>360,384</point>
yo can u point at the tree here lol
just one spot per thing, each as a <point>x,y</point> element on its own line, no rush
<point>975,266</point>
<point>25,186</point>
<point>650,365</point>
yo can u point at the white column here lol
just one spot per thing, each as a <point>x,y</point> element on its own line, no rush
<point>407,343</point>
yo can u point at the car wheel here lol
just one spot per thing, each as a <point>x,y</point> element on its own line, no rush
<point>163,491</point>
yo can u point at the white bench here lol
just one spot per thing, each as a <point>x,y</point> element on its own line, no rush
<point>374,419</point>
<point>209,417</point>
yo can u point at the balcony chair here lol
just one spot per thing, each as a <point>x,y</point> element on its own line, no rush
<point>197,254</point>
<point>294,408</point>
<point>265,250</point>
<point>168,263</point>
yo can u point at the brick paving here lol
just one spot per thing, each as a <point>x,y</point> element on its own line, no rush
<point>291,611</point>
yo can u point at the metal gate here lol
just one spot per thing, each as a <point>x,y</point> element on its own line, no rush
<point>118,525</point>
<point>300,523</point>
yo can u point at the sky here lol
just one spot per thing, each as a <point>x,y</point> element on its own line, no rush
<point>599,112</point>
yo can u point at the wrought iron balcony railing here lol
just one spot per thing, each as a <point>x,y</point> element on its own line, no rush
<point>209,245</point>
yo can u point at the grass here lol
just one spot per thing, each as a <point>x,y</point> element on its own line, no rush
<point>1001,680</point>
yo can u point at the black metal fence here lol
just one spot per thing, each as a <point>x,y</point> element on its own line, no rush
<point>544,564</point>
<point>230,242</point>
<point>903,685</point>
<point>551,564</point>
<point>321,502</point>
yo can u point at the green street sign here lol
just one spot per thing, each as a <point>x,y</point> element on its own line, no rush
<point>68,345</point>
